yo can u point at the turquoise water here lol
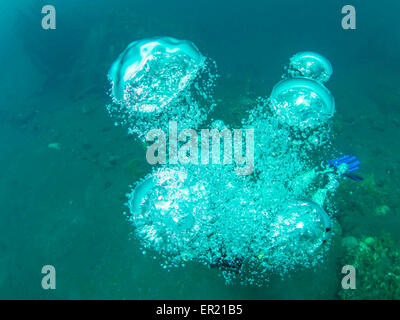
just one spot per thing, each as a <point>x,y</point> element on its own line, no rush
<point>67,168</point>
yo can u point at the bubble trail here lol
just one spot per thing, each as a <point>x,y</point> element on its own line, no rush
<point>249,227</point>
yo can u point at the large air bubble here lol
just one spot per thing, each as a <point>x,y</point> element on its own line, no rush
<point>163,210</point>
<point>160,79</point>
<point>302,103</point>
<point>310,65</point>
<point>150,73</point>
<point>303,223</point>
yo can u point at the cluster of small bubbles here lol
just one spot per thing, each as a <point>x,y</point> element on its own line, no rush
<point>231,218</point>
<point>157,80</point>
<point>249,227</point>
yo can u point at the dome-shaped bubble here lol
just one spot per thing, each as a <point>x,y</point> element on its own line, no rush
<point>310,65</point>
<point>162,210</point>
<point>150,73</point>
<point>302,103</point>
<point>301,227</point>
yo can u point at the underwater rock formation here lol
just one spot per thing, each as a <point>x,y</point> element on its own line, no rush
<point>377,263</point>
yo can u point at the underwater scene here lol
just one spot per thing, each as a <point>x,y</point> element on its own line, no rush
<point>244,150</point>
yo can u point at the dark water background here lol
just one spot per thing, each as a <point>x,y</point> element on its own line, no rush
<point>64,207</point>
